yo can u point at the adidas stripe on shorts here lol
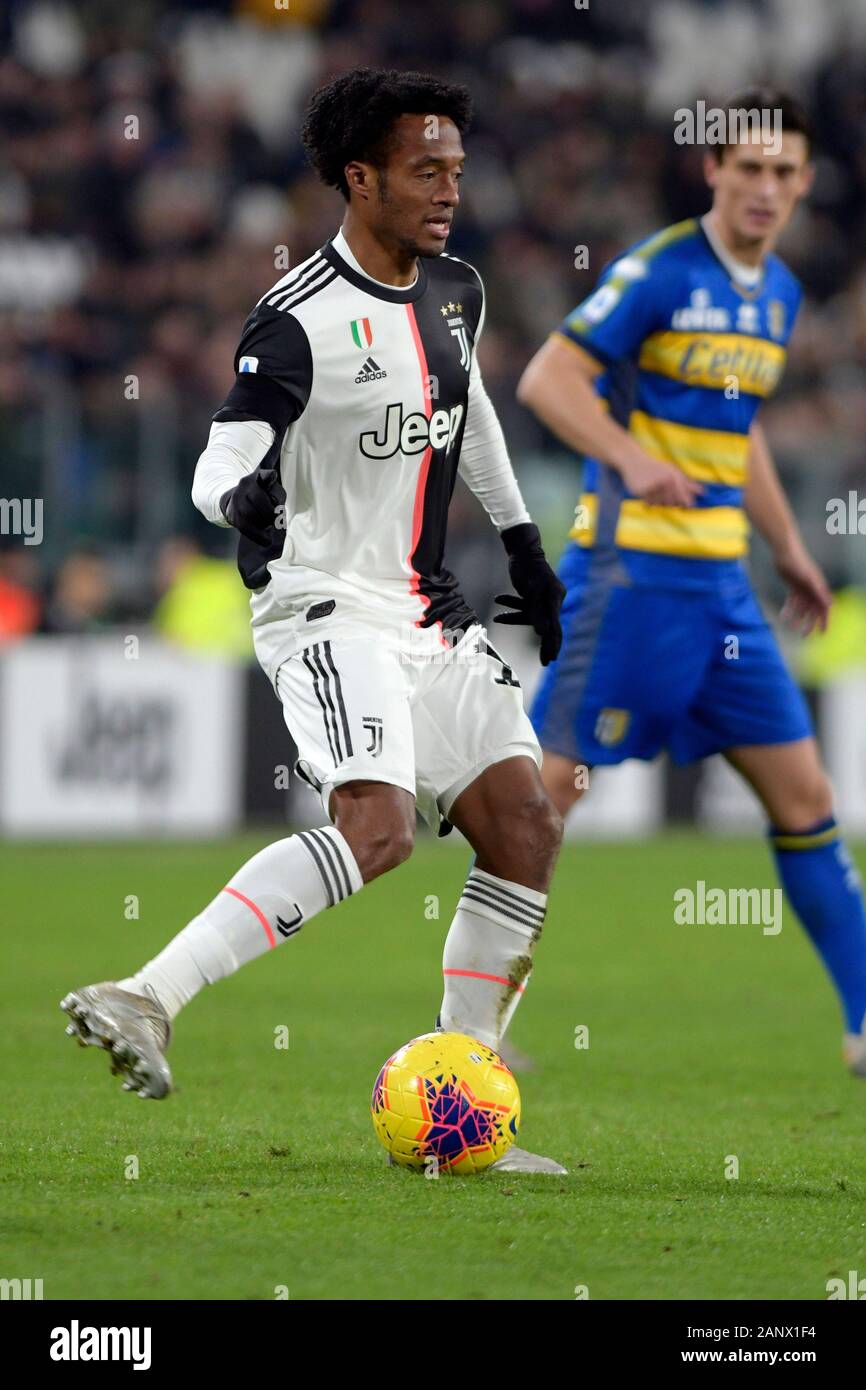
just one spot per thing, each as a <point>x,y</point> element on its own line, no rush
<point>360,709</point>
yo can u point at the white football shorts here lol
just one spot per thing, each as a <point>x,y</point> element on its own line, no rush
<point>366,708</point>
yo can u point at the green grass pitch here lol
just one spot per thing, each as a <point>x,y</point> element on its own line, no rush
<point>263,1169</point>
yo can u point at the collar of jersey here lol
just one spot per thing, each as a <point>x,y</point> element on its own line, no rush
<point>728,263</point>
<point>391,295</point>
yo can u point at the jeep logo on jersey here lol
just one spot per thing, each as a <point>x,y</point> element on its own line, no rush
<point>412,434</point>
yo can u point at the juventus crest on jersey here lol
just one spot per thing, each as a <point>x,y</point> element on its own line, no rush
<point>368,388</point>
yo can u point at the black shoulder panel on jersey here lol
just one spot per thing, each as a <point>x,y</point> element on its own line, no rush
<point>459,282</point>
<point>274,364</point>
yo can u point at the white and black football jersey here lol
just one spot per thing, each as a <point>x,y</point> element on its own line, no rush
<point>367,389</point>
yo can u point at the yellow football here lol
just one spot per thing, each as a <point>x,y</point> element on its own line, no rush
<point>446,1102</point>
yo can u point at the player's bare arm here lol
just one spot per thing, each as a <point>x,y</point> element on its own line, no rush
<point>808,603</point>
<point>558,386</point>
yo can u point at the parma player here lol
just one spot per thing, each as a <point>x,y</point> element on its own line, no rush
<point>657,379</point>
<point>357,400</point>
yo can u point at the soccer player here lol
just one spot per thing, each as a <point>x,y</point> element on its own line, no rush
<point>357,400</point>
<point>657,378</point>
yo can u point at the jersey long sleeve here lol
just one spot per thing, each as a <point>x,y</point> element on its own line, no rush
<point>484,463</point>
<point>234,448</point>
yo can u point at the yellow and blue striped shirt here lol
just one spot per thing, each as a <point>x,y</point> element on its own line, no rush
<point>689,354</point>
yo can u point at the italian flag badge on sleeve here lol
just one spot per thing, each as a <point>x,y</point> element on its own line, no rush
<point>362,333</point>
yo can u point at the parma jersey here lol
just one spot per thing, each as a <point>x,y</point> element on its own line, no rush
<point>367,387</point>
<point>688,355</point>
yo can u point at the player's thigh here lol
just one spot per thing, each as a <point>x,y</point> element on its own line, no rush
<point>467,715</point>
<point>789,780</point>
<point>631,661</point>
<point>346,705</point>
<point>748,698</point>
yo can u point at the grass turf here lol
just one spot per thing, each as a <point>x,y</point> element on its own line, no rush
<point>263,1170</point>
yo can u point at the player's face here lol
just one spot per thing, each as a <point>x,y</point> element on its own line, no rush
<point>417,193</point>
<point>756,187</point>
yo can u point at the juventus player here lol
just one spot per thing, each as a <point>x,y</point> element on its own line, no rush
<point>358,398</point>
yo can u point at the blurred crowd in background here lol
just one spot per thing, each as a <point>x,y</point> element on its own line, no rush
<point>151,173</point>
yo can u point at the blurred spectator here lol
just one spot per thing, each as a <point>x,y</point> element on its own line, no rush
<point>80,600</point>
<point>19,606</point>
<point>203,606</point>
<point>152,187</point>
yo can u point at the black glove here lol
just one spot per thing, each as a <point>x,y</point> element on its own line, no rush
<point>251,507</point>
<point>539,592</point>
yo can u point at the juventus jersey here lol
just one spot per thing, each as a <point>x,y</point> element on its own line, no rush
<point>367,388</point>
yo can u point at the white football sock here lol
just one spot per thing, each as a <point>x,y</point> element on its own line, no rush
<point>266,902</point>
<point>488,955</point>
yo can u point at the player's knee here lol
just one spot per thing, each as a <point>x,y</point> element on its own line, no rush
<point>552,825</point>
<point>393,844</point>
<point>536,826</point>
<point>811,800</point>
<point>383,845</point>
<point>378,824</point>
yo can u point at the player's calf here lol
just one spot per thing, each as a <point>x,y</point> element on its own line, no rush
<point>516,832</point>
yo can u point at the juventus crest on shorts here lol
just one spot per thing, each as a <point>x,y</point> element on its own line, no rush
<point>367,388</point>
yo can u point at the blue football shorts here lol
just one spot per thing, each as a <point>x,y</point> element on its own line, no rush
<point>642,669</point>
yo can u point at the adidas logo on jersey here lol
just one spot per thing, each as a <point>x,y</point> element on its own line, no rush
<point>371,371</point>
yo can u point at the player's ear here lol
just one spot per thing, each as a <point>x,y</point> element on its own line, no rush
<point>359,177</point>
<point>712,166</point>
<point>807,178</point>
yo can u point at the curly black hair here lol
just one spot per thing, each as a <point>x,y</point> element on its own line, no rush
<point>351,116</point>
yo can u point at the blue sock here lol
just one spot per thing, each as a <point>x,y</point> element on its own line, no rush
<point>824,889</point>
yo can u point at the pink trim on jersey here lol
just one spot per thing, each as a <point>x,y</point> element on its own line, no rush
<point>257,910</point>
<point>418,509</point>
<point>478,975</point>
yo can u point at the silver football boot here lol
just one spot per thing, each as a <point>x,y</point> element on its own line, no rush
<point>133,1028</point>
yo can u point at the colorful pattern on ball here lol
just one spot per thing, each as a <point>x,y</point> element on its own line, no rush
<point>446,1097</point>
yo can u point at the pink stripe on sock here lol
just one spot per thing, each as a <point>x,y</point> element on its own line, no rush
<point>257,910</point>
<point>478,975</point>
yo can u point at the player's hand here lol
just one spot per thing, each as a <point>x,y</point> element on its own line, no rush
<point>809,600</point>
<point>256,507</point>
<point>539,592</point>
<point>658,483</point>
